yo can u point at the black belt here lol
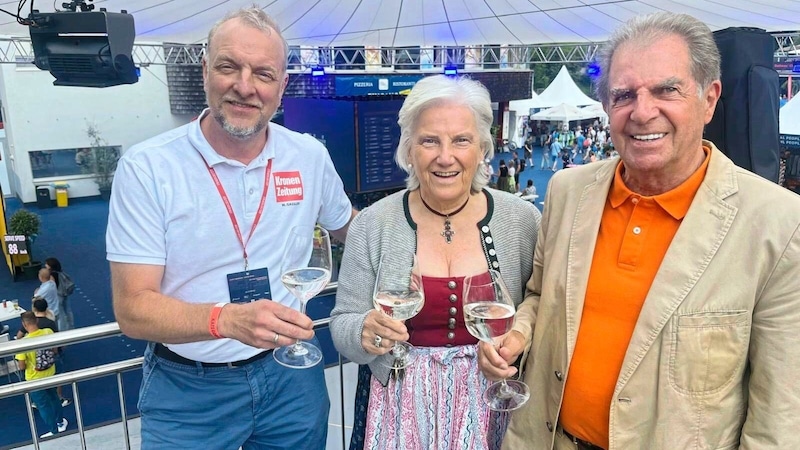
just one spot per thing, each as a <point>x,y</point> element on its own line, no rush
<point>580,443</point>
<point>163,352</point>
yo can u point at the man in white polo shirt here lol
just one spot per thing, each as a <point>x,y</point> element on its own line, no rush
<point>206,201</point>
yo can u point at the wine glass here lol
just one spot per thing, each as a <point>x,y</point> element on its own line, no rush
<point>305,271</point>
<point>489,315</point>
<point>398,293</point>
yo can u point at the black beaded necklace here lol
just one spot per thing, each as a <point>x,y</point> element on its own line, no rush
<point>447,232</point>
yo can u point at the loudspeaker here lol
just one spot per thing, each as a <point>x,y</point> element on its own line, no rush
<point>91,49</point>
<point>745,123</point>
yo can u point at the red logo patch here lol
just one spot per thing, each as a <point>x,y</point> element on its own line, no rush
<point>288,186</point>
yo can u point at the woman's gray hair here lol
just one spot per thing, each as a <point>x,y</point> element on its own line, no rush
<point>704,58</point>
<point>255,17</point>
<point>435,90</point>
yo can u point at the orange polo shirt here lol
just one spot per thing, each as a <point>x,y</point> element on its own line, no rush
<point>635,232</point>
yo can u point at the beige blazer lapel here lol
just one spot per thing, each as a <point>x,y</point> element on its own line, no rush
<point>583,238</point>
<point>699,237</point>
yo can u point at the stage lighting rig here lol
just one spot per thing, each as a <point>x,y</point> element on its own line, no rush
<point>86,48</point>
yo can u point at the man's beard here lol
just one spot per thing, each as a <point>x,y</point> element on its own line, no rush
<point>241,133</point>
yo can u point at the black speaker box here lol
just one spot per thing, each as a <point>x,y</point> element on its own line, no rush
<point>745,123</point>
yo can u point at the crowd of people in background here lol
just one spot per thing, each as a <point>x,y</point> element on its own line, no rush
<point>561,148</point>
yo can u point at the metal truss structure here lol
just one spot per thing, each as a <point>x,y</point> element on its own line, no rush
<point>492,57</point>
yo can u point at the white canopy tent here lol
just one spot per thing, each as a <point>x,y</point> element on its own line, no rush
<point>523,107</point>
<point>395,23</point>
<point>790,117</point>
<point>563,90</point>
<point>563,113</point>
<point>597,111</point>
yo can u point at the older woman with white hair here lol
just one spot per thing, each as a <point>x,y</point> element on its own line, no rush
<point>456,227</point>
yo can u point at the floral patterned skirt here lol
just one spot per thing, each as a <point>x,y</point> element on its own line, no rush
<point>438,404</point>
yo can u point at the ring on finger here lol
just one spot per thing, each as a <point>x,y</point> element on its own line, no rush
<point>275,339</point>
<point>377,341</point>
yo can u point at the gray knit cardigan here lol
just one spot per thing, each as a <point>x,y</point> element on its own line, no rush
<point>386,228</point>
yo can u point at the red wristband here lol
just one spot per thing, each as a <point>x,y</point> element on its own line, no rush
<point>213,320</point>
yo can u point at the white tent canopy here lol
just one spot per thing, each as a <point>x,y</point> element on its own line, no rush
<point>563,113</point>
<point>395,23</point>
<point>597,111</point>
<point>790,117</point>
<point>523,107</point>
<point>563,90</point>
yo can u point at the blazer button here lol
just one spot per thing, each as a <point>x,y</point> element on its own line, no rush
<point>451,284</point>
<point>549,427</point>
<point>559,376</point>
<point>453,298</point>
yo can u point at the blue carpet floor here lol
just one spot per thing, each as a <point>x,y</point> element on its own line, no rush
<point>74,235</point>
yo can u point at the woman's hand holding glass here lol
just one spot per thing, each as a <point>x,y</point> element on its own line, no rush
<point>398,294</point>
<point>379,324</point>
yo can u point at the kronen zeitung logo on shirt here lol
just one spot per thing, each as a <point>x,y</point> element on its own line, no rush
<point>288,186</point>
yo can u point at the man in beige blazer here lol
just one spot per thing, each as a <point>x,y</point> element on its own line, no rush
<point>701,350</point>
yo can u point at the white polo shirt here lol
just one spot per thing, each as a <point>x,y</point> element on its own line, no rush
<point>166,211</point>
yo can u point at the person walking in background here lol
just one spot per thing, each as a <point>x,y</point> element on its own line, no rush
<point>445,136</point>
<point>547,140</point>
<point>48,291</point>
<point>658,317</point>
<point>198,221</point>
<point>40,310</point>
<point>64,288</point>
<point>46,400</point>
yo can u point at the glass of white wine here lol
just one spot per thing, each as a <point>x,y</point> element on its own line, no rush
<point>305,271</point>
<point>489,315</point>
<point>398,294</point>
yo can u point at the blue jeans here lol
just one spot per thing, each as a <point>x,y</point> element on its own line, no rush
<point>49,406</point>
<point>262,405</point>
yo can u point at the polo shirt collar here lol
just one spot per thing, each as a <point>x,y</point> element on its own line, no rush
<point>675,202</point>
<point>200,143</point>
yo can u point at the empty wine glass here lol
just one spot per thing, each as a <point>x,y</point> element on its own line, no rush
<point>398,293</point>
<point>305,271</point>
<point>489,314</point>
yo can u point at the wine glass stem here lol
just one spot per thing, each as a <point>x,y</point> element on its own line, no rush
<point>398,350</point>
<point>298,347</point>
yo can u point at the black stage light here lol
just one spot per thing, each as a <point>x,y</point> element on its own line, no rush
<point>91,49</point>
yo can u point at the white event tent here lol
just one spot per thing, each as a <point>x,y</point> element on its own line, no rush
<point>790,117</point>
<point>563,90</point>
<point>563,113</point>
<point>597,111</point>
<point>523,107</point>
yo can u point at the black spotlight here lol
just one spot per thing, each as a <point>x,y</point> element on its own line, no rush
<point>91,49</point>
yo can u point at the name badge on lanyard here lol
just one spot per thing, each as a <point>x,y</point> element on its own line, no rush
<point>249,285</point>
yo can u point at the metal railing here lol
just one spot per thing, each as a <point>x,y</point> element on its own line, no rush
<point>96,332</point>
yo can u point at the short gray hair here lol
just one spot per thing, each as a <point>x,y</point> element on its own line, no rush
<point>255,17</point>
<point>704,58</point>
<point>434,90</point>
